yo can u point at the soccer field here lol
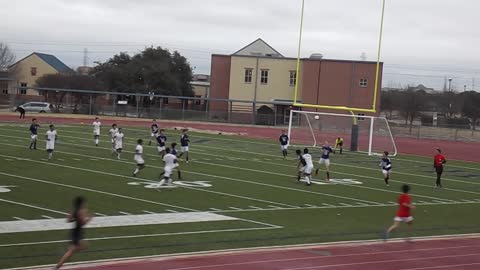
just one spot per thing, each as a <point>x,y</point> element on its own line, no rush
<point>236,192</point>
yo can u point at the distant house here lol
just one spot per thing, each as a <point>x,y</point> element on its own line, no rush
<point>201,86</point>
<point>25,72</point>
<point>4,81</point>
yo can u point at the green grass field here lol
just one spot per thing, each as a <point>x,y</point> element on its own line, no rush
<point>244,179</point>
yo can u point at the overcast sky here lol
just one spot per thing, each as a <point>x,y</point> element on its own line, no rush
<point>424,40</point>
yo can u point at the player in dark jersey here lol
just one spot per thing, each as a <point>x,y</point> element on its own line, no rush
<point>80,217</point>
<point>161,142</point>
<point>21,111</point>
<point>184,143</point>
<point>284,143</point>
<point>386,165</point>
<point>325,159</point>
<point>301,164</point>
<point>33,134</point>
<point>174,152</point>
<point>154,129</point>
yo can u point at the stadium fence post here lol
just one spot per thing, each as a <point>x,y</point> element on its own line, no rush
<point>370,136</point>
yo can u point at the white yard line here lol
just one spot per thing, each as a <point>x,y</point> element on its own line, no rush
<point>362,176</point>
<point>123,176</point>
<point>92,190</point>
<point>47,217</point>
<point>140,236</point>
<point>252,141</point>
<point>33,206</point>
<point>202,174</point>
<point>17,218</point>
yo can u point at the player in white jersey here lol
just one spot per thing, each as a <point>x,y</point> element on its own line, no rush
<point>138,157</point>
<point>112,133</point>
<point>96,130</point>
<point>51,137</point>
<point>308,168</point>
<point>170,164</point>
<point>119,142</point>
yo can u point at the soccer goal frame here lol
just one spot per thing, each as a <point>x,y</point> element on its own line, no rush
<point>354,129</point>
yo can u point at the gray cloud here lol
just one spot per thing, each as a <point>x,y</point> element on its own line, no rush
<point>428,33</point>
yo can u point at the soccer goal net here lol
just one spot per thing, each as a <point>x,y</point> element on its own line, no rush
<point>360,133</point>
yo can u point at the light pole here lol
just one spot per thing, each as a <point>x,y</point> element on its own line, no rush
<point>450,84</point>
<point>464,88</point>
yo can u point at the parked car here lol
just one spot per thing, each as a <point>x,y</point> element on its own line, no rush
<point>38,107</point>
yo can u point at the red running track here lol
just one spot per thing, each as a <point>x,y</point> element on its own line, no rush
<point>431,254</point>
<point>424,147</point>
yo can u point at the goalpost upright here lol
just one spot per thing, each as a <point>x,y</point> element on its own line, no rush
<point>351,110</point>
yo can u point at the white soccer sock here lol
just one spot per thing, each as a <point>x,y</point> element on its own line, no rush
<point>96,141</point>
<point>170,181</point>
<point>307,178</point>
<point>50,155</point>
<point>136,171</point>
<point>161,182</point>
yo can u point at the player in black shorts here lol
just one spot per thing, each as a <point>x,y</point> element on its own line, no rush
<point>80,217</point>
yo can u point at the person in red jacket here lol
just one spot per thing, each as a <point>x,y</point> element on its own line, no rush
<point>404,212</point>
<point>438,162</point>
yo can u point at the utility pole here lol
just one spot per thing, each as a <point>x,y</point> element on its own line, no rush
<point>450,84</point>
<point>85,57</point>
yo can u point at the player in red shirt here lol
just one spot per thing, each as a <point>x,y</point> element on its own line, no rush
<point>438,162</point>
<point>404,214</point>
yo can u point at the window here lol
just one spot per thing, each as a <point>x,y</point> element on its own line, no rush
<point>264,76</point>
<point>4,87</point>
<point>165,101</point>
<point>33,71</point>
<point>23,88</point>
<point>293,77</point>
<point>198,101</point>
<point>248,75</point>
<point>360,116</point>
<point>363,82</point>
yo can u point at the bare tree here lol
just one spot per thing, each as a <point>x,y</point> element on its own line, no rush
<point>7,58</point>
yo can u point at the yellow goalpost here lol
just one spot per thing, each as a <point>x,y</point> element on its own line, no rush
<point>377,72</point>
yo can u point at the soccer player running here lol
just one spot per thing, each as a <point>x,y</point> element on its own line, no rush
<point>386,165</point>
<point>308,168</point>
<point>112,133</point>
<point>80,216</point>
<point>339,145</point>
<point>404,213</point>
<point>301,164</point>
<point>170,164</point>
<point>184,142</point>
<point>161,143</point>
<point>21,111</point>
<point>119,142</point>
<point>138,157</point>
<point>96,130</point>
<point>174,152</point>
<point>33,134</point>
<point>325,159</point>
<point>51,137</point>
<point>283,139</point>
<point>154,129</point>
<point>438,161</point>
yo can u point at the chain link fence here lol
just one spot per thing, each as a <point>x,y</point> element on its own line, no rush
<point>196,109</point>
